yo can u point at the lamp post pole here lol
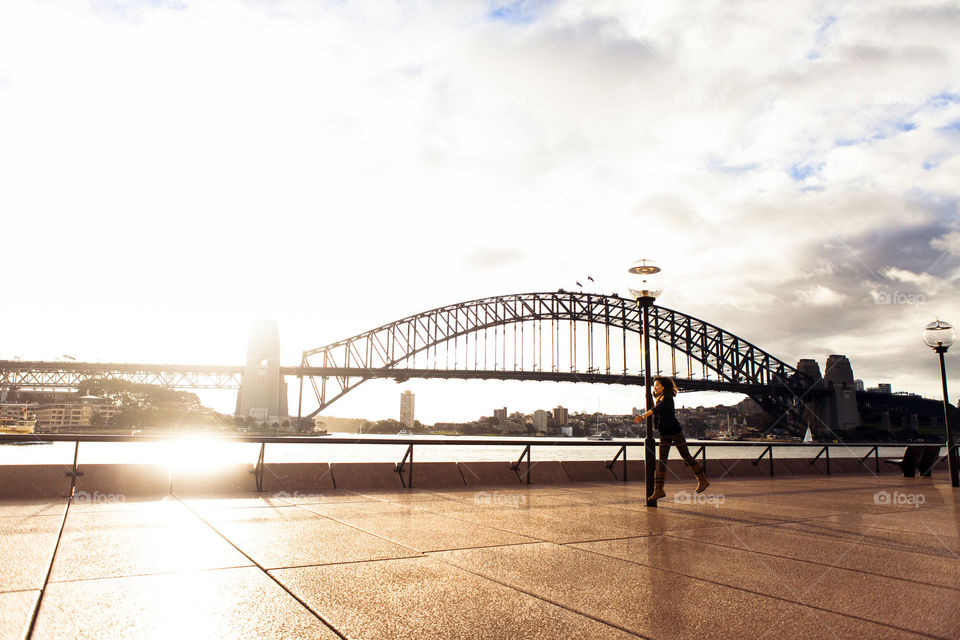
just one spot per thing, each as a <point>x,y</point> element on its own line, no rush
<point>951,448</point>
<point>939,335</point>
<point>649,444</point>
<point>645,286</point>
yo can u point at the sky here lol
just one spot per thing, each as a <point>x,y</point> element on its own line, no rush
<point>172,171</point>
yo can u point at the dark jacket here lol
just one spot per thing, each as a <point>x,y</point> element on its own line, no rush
<point>665,416</point>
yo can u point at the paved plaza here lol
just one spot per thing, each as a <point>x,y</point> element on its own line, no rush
<point>785,557</point>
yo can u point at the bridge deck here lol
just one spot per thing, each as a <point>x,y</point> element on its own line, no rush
<point>831,557</point>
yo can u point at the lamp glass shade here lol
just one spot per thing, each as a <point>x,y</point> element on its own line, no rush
<point>644,279</point>
<point>939,334</point>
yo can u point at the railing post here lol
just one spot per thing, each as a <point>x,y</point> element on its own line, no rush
<point>621,451</point>
<point>827,447</point>
<point>516,465</point>
<point>258,470</point>
<point>73,470</point>
<point>399,466</point>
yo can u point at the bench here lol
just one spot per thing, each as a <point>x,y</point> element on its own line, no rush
<point>917,458</point>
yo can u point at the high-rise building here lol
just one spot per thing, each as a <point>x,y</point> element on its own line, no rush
<point>541,420</point>
<point>560,417</point>
<point>500,415</point>
<point>406,409</point>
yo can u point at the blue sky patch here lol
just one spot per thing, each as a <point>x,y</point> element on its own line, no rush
<point>513,11</point>
<point>801,171</point>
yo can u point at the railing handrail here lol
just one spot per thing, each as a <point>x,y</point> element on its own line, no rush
<point>425,440</point>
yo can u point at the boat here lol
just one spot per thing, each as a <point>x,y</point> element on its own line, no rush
<point>808,436</point>
<point>404,432</point>
<point>599,436</point>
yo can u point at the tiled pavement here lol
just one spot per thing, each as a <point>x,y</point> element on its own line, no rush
<point>808,557</point>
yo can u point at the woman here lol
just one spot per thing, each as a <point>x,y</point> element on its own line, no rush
<point>670,434</point>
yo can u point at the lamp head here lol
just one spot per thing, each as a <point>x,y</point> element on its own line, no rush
<point>939,335</point>
<point>644,279</point>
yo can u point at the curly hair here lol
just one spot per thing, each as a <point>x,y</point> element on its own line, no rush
<point>669,386</point>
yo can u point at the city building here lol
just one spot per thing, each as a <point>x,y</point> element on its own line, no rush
<point>406,409</point>
<point>500,415</point>
<point>541,420</point>
<point>87,411</point>
<point>560,417</point>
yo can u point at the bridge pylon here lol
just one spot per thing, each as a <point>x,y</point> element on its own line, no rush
<point>263,392</point>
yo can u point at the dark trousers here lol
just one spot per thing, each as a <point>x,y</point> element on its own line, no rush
<point>680,443</point>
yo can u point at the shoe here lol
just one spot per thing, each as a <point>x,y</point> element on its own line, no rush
<point>702,482</point>
<point>658,491</point>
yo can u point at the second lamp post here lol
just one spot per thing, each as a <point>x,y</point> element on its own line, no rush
<point>645,286</point>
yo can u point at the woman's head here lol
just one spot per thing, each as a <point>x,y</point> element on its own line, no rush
<point>664,386</point>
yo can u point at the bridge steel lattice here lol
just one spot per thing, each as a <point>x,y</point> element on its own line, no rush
<point>561,336</point>
<point>40,375</point>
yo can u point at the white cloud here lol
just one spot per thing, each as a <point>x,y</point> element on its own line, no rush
<point>343,165</point>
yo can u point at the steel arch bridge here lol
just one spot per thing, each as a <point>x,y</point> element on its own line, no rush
<point>560,336</point>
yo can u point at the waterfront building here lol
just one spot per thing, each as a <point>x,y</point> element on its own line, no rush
<point>541,420</point>
<point>560,417</point>
<point>406,409</point>
<point>500,415</point>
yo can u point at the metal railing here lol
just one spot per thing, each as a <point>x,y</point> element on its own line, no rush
<point>406,463</point>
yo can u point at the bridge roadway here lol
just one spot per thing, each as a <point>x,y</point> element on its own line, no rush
<point>69,375</point>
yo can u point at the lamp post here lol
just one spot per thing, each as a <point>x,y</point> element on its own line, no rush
<point>939,336</point>
<point>644,286</point>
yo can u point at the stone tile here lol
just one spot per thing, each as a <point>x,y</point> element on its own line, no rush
<point>163,538</point>
<point>323,497</point>
<point>651,602</point>
<point>920,608</point>
<point>26,547</point>
<point>227,603</point>
<point>918,567</point>
<point>429,531</point>
<point>16,609</point>
<point>293,536</point>
<point>573,524</point>
<point>98,503</point>
<point>422,598</point>
<point>42,507</point>
<point>850,530</point>
<point>240,500</point>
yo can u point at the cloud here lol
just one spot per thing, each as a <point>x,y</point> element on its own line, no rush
<point>298,156</point>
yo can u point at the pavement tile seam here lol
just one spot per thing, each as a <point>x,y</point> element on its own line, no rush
<point>300,600</point>
<point>467,521</point>
<point>882,525</point>
<point>813,562</point>
<point>417,551</point>
<point>812,608</point>
<point>360,529</point>
<point>537,596</point>
<point>149,574</point>
<point>49,572</point>
<point>888,546</point>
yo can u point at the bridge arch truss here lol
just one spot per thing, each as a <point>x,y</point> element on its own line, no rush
<point>570,336</point>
